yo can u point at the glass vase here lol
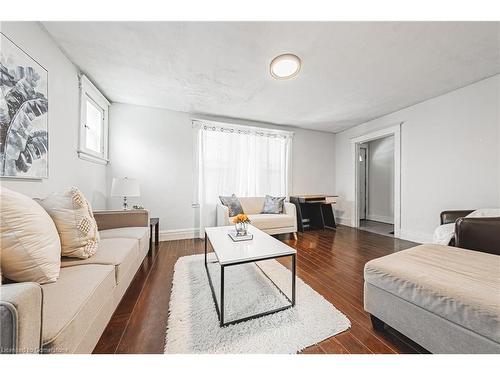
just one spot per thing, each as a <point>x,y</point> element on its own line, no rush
<point>241,229</point>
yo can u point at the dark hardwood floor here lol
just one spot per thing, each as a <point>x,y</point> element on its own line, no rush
<point>331,262</point>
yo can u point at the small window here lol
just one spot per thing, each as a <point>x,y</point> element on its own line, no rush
<point>94,123</point>
<point>94,126</point>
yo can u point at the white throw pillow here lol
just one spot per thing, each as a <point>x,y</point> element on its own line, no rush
<point>75,223</point>
<point>30,249</point>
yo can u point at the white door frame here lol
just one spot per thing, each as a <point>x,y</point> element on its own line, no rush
<point>367,171</point>
<point>355,142</point>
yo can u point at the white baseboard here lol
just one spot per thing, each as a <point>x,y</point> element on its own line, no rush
<point>409,235</point>
<point>189,233</point>
<point>381,219</point>
<point>178,234</point>
<point>343,221</point>
<point>415,236</point>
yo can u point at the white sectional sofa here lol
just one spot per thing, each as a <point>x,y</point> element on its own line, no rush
<point>269,223</point>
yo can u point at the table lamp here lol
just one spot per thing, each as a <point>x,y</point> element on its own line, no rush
<point>125,187</point>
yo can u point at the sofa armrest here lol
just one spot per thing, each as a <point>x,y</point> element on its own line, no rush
<point>291,209</point>
<point>448,217</point>
<point>20,318</point>
<point>121,219</point>
<point>222,215</point>
<point>478,233</point>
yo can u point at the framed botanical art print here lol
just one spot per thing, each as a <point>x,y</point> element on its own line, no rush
<point>24,136</point>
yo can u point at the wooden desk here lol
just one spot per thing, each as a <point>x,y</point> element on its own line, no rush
<point>314,211</point>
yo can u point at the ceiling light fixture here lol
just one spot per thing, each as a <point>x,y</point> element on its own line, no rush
<point>285,66</point>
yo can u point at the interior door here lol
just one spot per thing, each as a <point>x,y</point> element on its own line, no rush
<point>362,188</point>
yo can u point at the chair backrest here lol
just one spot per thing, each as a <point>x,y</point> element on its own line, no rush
<point>450,216</point>
<point>478,233</point>
<point>252,205</point>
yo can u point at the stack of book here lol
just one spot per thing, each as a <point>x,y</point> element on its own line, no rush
<point>236,238</point>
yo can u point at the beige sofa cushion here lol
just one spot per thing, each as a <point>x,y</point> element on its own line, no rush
<point>75,223</point>
<point>121,219</point>
<point>118,252</point>
<point>272,221</point>
<point>30,246</point>
<point>71,304</point>
<point>252,205</point>
<point>457,284</point>
<point>139,233</point>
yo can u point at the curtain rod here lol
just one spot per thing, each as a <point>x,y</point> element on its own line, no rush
<point>251,128</point>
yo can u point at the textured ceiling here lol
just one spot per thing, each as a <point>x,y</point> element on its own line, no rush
<point>352,71</point>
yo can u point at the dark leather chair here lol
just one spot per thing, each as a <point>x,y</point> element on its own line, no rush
<point>448,217</point>
<point>474,233</point>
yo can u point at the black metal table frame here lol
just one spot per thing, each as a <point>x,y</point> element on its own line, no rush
<point>220,310</point>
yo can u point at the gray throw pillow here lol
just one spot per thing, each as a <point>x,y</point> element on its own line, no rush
<point>273,205</point>
<point>233,204</point>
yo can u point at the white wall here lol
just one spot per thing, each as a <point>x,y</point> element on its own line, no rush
<point>65,168</point>
<point>381,180</point>
<point>449,159</point>
<point>156,146</point>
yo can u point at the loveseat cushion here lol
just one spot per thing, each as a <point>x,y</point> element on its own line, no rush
<point>457,284</point>
<point>71,304</point>
<point>252,205</point>
<point>139,233</point>
<point>273,205</point>
<point>233,204</point>
<point>272,221</point>
<point>118,252</point>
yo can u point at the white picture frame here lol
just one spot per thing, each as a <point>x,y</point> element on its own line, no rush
<point>24,114</point>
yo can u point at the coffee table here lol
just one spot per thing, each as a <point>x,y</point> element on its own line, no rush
<point>230,253</point>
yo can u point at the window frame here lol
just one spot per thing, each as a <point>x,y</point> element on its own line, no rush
<point>88,92</point>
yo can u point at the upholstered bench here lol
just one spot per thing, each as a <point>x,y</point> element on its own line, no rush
<point>444,298</point>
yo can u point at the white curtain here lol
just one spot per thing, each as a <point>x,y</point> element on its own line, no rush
<point>246,161</point>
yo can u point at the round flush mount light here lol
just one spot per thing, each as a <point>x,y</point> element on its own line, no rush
<point>285,66</point>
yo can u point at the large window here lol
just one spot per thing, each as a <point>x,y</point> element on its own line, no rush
<point>93,123</point>
<point>246,161</point>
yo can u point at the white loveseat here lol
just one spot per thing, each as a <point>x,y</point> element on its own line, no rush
<point>269,223</point>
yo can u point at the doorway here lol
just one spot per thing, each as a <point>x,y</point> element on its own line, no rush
<point>363,181</point>
<point>376,183</point>
<point>376,186</point>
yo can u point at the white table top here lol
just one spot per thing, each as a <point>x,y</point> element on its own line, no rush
<point>260,247</point>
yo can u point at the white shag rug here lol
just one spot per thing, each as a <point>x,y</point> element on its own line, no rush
<point>193,325</point>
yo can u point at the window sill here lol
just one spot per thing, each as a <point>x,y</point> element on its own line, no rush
<point>92,158</point>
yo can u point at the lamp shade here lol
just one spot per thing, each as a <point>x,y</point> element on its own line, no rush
<point>125,187</point>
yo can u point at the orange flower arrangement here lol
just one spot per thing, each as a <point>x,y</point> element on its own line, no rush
<point>241,218</point>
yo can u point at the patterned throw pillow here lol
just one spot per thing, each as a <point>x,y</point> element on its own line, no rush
<point>233,204</point>
<point>75,223</point>
<point>273,205</point>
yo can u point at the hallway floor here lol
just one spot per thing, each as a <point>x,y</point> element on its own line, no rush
<point>377,227</point>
